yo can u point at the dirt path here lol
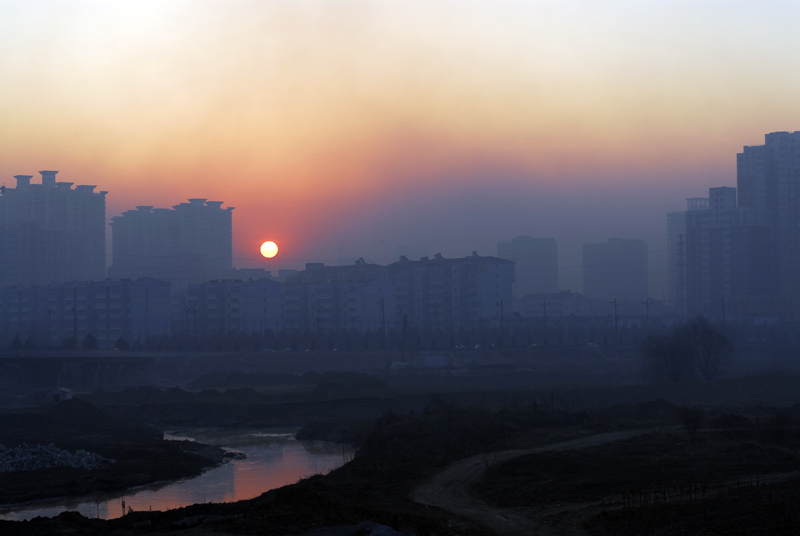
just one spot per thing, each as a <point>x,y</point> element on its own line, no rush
<point>451,490</point>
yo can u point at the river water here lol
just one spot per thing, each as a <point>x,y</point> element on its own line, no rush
<point>273,459</point>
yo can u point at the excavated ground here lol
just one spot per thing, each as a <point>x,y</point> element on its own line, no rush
<point>517,468</point>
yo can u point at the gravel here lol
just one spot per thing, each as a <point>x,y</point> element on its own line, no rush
<point>32,457</point>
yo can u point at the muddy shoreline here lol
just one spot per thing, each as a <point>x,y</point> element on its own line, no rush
<point>140,454</point>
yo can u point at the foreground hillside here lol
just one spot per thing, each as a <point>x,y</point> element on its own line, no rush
<point>648,468</point>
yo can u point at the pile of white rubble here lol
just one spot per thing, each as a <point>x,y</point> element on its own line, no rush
<point>31,457</point>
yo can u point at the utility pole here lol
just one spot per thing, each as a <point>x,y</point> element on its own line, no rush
<point>383,316</point>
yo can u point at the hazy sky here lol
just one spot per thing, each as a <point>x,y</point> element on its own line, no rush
<point>350,128</point>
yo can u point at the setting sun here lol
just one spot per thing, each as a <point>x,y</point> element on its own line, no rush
<point>269,249</point>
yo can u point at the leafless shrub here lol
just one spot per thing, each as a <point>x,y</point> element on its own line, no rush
<point>694,346</point>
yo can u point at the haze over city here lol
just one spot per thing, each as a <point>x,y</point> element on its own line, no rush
<point>351,129</point>
<point>399,267</point>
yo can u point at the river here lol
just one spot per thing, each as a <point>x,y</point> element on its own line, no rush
<point>273,459</point>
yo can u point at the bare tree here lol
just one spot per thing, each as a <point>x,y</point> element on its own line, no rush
<point>709,346</point>
<point>694,345</point>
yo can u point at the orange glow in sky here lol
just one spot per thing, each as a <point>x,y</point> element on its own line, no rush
<point>323,121</point>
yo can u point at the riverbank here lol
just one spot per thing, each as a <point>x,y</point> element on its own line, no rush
<point>731,447</point>
<point>132,455</point>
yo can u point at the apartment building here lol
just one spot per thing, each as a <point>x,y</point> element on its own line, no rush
<point>189,243</point>
<point>49,315</point>
<point>51,232</point>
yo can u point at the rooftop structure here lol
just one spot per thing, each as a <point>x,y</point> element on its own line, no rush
<point>190,243</point>
<point>51,232</point>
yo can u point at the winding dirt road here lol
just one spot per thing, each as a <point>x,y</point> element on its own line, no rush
<point>451,490</point>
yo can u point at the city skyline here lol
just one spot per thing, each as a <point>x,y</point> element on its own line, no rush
<point>355,129</point>
<point>160,242</point>
<point>737,253</point>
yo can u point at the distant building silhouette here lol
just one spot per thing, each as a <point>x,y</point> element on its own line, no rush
<point>190,243</point>
<point>215,308</point>
<point>768,179</point>
<point>51,232</point>
<point>615,269</point>
<point>676,253</point>
<point>725,249</point>
<point>742,246</point>
<point>49,315</point>
<point>461,293</point>
<point>536,264</point>
<point>428,294</point>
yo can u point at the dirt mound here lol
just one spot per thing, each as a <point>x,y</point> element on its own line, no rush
<point>232,378</point>
<point>142,455</point>
<point>657,411</point>
<point>80,415</point>
<point>340,385</point>
<point>67,423</point>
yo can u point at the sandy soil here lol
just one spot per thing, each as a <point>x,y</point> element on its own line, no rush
<point>451,489</point>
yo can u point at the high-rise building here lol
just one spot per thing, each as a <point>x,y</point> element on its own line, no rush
<point>536,264</point>
<point>726,249</point>
<point>615,269</point>
<point>190,243</point>
<point>51,232</point>
<point>768,178</point>
<point>676,253</point>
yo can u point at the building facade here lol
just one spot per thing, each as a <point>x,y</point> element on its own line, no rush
<point>190,243</point>
<point>428,294</point>
<point>51,232</point>
<point>218,307</point>
<point>741,256</point>
<point>452,294</point>
<point>768,179</point>
<point>50,315</point>
<point>727,252</point>
<point>676,253</point>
